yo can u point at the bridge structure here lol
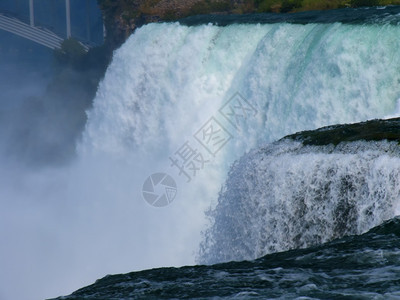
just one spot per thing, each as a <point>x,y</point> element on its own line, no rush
<point>19,18</point>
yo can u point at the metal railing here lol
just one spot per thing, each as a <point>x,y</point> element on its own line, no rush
<point>25,24</point>
<point>39,35</point>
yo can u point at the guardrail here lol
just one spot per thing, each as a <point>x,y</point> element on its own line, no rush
<point>36,34</point>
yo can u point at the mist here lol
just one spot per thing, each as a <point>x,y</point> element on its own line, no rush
<point>46,224</point>
<point>67,219</point>
<point>77,142</point>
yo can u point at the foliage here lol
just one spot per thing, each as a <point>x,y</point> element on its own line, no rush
<point>71,52</point>
<point>142,11</point>
<point>207,6</point>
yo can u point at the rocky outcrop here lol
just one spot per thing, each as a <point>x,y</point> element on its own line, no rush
<point>123,16</point>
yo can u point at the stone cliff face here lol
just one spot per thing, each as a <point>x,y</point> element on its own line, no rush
<point>123,16</point>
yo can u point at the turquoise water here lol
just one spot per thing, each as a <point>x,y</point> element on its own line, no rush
<point>253,199</point>
<point>294,72</point>
<point>327,203</point>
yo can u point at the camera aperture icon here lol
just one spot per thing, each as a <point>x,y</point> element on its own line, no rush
<point>159,189</point>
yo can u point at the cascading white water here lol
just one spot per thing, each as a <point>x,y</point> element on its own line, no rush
<point>162,86</point>
<point>288,196</point>
<point>167,80</point>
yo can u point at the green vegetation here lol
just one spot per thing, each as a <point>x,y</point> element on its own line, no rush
<point>123,16</point>
<point>71,53</point>
<point>304,5</point>
<point>167,9</point>
<point>204,7</point>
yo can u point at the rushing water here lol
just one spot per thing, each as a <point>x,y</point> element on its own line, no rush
<point>168,79</point>
<point>356,267</point>
<point>253,83</point>
<point>289,196</point>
